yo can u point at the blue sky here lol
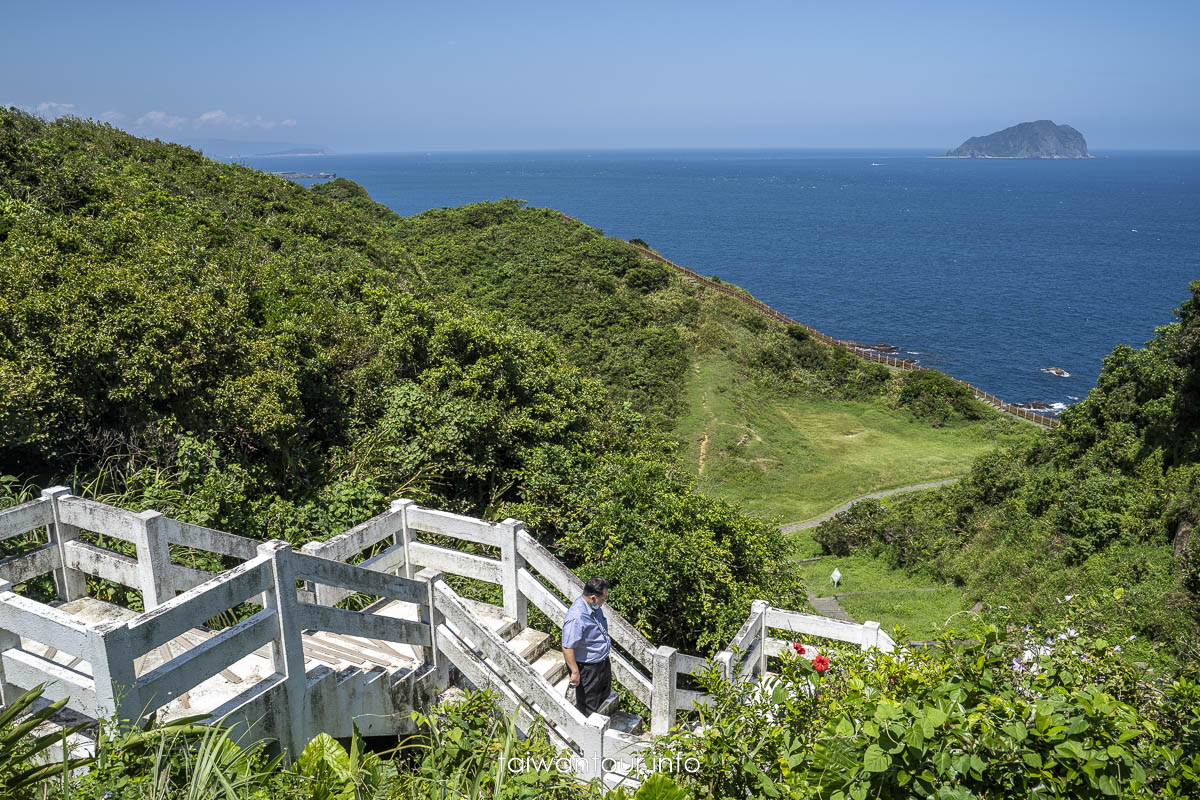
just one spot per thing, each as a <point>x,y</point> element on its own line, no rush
<point>402,76</point>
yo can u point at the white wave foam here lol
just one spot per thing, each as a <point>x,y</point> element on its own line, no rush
<point>1057,406</point>
<point>1062,373</point>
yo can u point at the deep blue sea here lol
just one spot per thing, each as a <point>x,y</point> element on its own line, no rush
<point>990,270</point>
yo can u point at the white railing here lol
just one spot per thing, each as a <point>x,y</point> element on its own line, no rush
<point>520,556</point>
<point>102,680</point>
<point>397,565</point>
<point>748,651</point>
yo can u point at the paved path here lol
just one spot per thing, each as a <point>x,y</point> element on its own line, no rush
<point>812,523</point>
<point>829,607</point>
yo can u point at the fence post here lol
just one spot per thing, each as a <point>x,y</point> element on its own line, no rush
<point>663,701</point>
<point>115,682</point>
<point>760,607</point>
<point>724,659</point>
<point>870,634</point>
<point>287,649</point>
<point>404,536</point>
<point>433,656</point>
<point>319,591</point>
<point>593,745</point>
<point>8,641</point>
<point>511,562</point>
<point>69,584</point>
<point>153,558</point>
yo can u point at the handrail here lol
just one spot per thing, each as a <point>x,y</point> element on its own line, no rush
<point>866,634</point>
<point>564,580</point>
<point>25,517</point>
<point>517,671</point>
<point>181,613</point>
<point>41,623</point>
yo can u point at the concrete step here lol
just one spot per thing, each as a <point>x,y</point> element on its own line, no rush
<point>552,666</point>
<point>609,706</point>
<point>627,722</point>
<point>492,617</point>
<point>530,644</point>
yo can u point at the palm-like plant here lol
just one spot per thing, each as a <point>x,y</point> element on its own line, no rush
<point>18,753</point>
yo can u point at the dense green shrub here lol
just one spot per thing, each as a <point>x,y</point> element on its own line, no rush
<point>1047,713</point>
<point>936,397</point>
<point>1106,500</point>
<point>243,353</point>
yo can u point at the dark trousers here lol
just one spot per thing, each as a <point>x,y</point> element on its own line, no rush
<point>595,685</point>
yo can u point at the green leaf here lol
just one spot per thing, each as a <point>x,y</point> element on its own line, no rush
<point>1017,731</point>
<point>935,716</point>
<point>915,738</point>
<point>844,727</point>
<point>1032,759</point>
<point>875,760</point>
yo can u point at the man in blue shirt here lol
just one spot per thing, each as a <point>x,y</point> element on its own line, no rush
<point>586,646</point>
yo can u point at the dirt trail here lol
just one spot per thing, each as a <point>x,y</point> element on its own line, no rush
<point>703,450</point>
<point>812,523</point>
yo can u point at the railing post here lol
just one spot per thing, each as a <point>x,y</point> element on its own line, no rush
<point>724,660</point>
<point>593,745</point>
<point>433,656</point>
<point>319,591</point>
<point>287,648</point>
<point>153,558</point>
<point>760,607</point>
<point>870,634</point>
<point>404,535</point>
<point>663,701</point>
<point>69,584</point>
<point>511,562</point>
<point>8,641</point>
<point>113,676</point>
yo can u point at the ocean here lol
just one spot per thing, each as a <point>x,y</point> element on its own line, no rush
<point>993,271</point>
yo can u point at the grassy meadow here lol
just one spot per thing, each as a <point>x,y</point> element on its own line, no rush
<point>795,457</point>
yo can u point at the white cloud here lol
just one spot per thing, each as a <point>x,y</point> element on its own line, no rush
<point>218,117</point>
<point>215,117</point>
<point>112,116</point>
<point>52,110</point>
<point>160,119</point>
<point>288,123</point>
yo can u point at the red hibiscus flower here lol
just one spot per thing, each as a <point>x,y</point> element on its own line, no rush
<point>820,663</point>
<point>799,648</point>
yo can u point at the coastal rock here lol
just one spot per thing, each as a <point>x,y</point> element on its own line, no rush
<point>1041,139</point>
<point>1059,371</point>
<point>881,348</point>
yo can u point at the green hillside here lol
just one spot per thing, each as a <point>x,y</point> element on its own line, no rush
<point>1097,514</point>
<point>246,354</point>
<point>790,426</point>
<point>250,355</point>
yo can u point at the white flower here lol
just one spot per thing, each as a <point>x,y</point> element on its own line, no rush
<point>1131,638</point>
<point>1072,632</point>
<point>1117,649</point>
<point>1069,598</point>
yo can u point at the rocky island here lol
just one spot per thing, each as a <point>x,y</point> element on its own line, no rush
<point>1041,139</point>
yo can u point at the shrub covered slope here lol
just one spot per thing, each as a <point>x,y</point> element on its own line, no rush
<point>247,354</point>
<point>1104,505</point>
